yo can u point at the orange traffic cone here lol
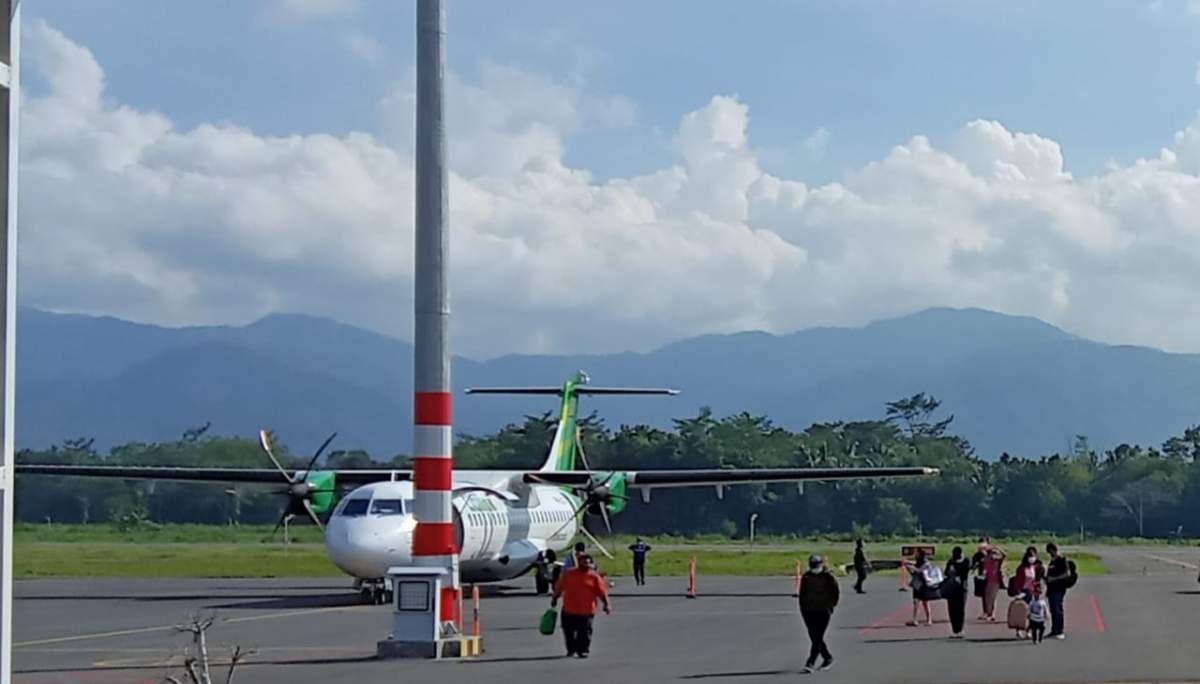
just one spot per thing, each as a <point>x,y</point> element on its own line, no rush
<point>475,625</point>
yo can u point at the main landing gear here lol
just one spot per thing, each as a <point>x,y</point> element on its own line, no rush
<point>373,592</point>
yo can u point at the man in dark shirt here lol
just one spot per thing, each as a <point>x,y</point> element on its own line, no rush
<point>818,597</point>
<point>861,566</point>
<point>1058,580</point>
<point>639,549</point>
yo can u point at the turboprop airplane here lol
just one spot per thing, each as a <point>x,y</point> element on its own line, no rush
<point>505,520</point>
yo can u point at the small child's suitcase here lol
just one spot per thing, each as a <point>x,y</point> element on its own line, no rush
<point>1018,614</point>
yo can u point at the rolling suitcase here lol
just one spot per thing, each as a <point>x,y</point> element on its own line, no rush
<point>1018,614</point>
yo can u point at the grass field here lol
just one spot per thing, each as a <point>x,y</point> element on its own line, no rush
<point>221,551</point>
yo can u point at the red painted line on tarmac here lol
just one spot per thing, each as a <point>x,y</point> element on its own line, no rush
<point>1096,612</point>
<point>898,613</point>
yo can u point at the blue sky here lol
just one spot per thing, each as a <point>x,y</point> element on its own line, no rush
<point>1108,79</point>
<point>624,174</point>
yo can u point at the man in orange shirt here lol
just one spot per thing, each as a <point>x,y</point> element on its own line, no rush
<point>580,587</point>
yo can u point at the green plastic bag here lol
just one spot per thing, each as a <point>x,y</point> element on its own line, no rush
<point>549,620</point>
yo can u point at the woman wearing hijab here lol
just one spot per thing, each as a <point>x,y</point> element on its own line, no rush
<point>993,573</point>
<point>958,571</point>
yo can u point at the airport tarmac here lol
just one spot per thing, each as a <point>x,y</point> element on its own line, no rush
<point>1137,624</point>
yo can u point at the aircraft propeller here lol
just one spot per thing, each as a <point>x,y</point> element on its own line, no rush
<point>595,497</point>
<point>299,492</point>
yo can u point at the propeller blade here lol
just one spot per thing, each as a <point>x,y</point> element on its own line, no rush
<point>319,450</point>
<point>264,440</point>
<point>604,517</point>
<point>278,524</point>
<point>595,541</point>
<point>313,514</point>
<point>573,519</point>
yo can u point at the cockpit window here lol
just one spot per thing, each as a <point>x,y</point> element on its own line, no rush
<point>387,507</point>
<point>355,507</point>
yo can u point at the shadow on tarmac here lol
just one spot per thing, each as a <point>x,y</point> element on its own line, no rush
<point>707,594</point>
<point>730,675</point>
<point>528,659</point>
<point>290,602</point>
<point>943,637</point>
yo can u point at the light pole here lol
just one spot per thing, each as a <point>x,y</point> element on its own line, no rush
<point>753,517</point>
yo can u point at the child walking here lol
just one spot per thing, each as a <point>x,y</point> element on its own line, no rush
<point>1039,608</point>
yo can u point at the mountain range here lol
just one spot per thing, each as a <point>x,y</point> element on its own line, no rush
<point>1014,384</point>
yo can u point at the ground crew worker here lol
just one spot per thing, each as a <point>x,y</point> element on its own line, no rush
<point>580,587</point>
<point>861,566</point>
<point>639,549</point>
<point>573,559</point>
<point>819,594</point>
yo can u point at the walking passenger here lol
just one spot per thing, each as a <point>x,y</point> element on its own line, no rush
<point>924,581</point>
<point>580,588</point>
<point>1061,575</point>
<point>993,573</point>
<point>1028,572</point>
<point>1038,608</point>
<point>639,549</point>
<point>819,593</point>
<point>861,566</point>
<point>958,572</point>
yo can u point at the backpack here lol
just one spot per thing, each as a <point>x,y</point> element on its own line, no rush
<point>1073,579</point>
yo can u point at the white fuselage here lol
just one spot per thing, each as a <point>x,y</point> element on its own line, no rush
<point>501,525</point>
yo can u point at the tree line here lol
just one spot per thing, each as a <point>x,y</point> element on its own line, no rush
<point>1129,490</point>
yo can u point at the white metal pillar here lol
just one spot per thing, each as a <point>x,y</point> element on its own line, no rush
<point>9,109</point>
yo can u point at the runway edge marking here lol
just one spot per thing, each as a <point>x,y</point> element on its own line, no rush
<point>1099,616</point>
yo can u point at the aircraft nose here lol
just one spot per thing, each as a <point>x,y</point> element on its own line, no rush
<point>367,547</point>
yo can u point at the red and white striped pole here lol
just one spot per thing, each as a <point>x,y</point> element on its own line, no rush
<point>434,544</point>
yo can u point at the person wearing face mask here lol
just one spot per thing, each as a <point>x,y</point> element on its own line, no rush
<point>819,593</point>
<point>1028,574</point>
<point>1030,570</point>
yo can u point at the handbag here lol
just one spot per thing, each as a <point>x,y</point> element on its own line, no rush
<point>980,586</point>
<point>548,622</point>
<point>951,588</point>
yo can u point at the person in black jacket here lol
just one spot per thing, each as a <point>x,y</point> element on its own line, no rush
<point>819,595</point>
<point>861,566</point>
<point>958,570</point>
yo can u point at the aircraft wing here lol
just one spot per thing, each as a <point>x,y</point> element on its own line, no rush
<point>644,479</point>
<point>648,479</point>
<point>186,474</point>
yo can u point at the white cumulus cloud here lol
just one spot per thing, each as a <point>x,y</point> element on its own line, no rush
<point>126,214</point>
